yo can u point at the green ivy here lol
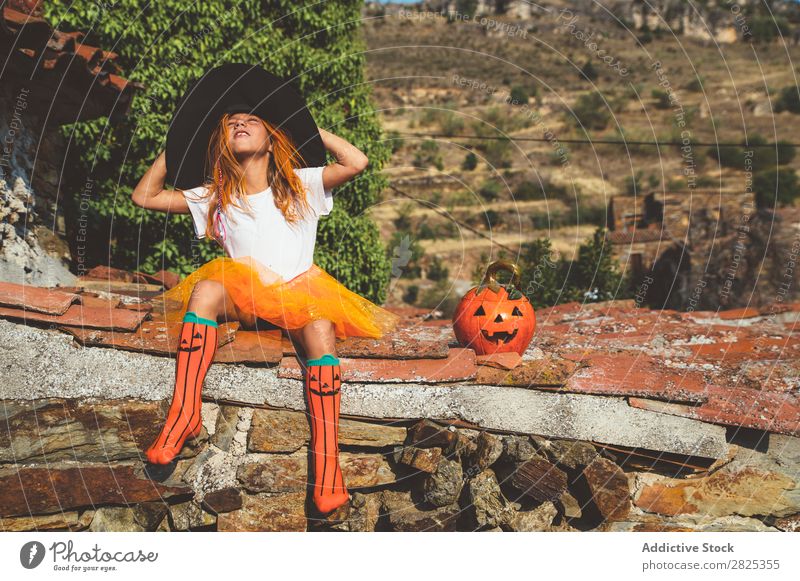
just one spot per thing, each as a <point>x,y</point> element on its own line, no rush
<point>164,45</point>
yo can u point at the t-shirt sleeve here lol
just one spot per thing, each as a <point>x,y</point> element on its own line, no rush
<point>198,207</point>
<point>319,198</point>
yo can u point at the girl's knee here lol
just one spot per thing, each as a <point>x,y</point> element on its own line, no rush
<point>207,295</point>
<point>208,288</point>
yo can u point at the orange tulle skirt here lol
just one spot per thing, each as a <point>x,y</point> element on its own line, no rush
<point>257,291</point>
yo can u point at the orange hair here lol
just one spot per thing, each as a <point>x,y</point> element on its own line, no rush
<point>228,178</point>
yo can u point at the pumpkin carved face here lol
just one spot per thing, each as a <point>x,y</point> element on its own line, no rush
<point>490,320</point>
<point>501,328</point>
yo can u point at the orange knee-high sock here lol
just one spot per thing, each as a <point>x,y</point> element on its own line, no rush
<point>323,383</point>
<point>196,347</point>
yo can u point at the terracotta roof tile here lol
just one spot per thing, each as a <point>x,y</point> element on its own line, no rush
<point>747,408</point>
<point>156,337</point>
<point>636,374</point>
<point>458,366</point>
<point>82,316</point>
<point>50,301</point>
<point>34,52</point>
<point>252,347</point>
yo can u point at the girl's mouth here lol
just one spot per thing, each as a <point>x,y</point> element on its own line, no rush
<point>240,133</point>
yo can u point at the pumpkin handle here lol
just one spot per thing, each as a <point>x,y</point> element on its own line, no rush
<point>490,280</point>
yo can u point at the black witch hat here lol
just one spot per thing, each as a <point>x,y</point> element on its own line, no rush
<point>235,88</point>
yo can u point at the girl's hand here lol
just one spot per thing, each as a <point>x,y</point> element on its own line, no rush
<point>149,193</point>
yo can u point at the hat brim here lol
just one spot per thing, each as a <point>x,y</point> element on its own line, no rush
<point>235,87</point>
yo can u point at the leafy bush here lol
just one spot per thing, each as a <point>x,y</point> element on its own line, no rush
<point>591,112</point>
<point>594,276</point>
<point>788,100</point>
<point>762,158</point>
<point>470,162</point>
<point>588,71</point>
<point>662,98</point>
<point>498,152</point>
<point>540,273</point>
<point>411,294</point>
<point>528,190</point>
<point>773,187</point>
<point>519,95</point>
<point>428,155</point>
<point>695,85</point>
<point>437,270</point>
<point>765,28</point>
<point>489,190</point>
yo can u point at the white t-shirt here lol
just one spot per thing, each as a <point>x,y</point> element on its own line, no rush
<point>266,236</point>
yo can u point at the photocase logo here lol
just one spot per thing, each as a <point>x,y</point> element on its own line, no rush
<point>31,554</point>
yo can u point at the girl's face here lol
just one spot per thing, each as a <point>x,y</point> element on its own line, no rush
<point>247,135</point>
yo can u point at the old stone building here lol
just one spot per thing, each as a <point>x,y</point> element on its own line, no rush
<point>49,79</point>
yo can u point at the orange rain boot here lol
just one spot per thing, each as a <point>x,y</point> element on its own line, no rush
<point>196,347</point>
<point>322,390</point>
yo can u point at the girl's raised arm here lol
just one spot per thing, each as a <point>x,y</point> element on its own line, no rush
<point>350,161</point>
<point>149,193</point>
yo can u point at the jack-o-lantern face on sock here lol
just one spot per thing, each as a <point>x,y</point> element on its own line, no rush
<point>324,380</point>
<point>196,343</point>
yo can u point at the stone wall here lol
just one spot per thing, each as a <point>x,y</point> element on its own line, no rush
<point>77,464</point>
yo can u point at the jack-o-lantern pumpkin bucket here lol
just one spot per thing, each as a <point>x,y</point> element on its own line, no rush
<point>494,317</point>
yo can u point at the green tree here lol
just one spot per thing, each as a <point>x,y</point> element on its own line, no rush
<point>437,270</point>
<point>467,7</point>
<point>773,186</point>
<point>164,45</point>
<point>662,99</point>
<point>595,275</point>
<point>588,71</point>
<point>788,100</point>
<point>591,111</point>
<point>518,96</point>
<point>428,155</point>
<point>540,279</point>
<point>470,161</point>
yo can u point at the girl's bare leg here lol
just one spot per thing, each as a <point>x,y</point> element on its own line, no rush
<point>317,338</point>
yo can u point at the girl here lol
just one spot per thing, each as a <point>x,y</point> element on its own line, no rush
<point>263,208</point>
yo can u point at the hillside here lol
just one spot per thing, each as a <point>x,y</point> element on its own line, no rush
<point>570,75</point>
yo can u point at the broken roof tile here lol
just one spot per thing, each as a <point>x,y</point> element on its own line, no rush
<point>81,316</point>
<point>33,298</point>
<point>507,360</point>
<point>636,375</point>
<point>739,407</point>
<point>743,313</point>
<point>550,371</point>
<point>93,300</point>
<point>156,337</point>
<point>252,347</point>
<point>407,342</point>
<point>458,366</point>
